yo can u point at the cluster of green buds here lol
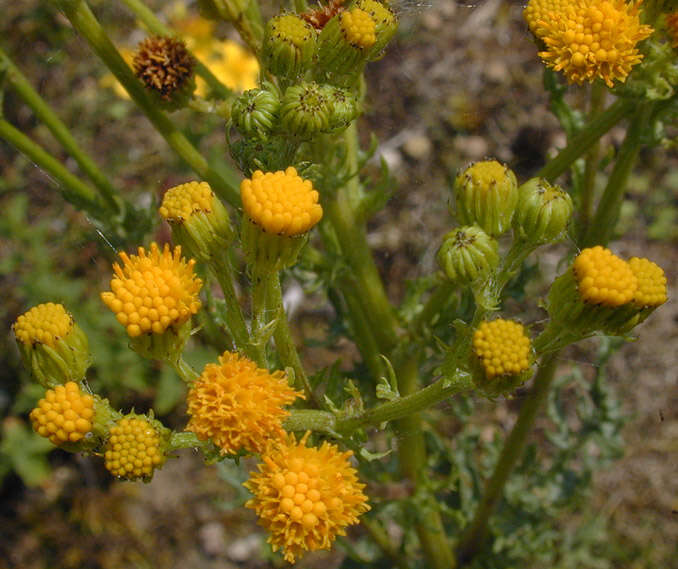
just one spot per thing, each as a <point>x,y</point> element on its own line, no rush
<point>69,414</point>
<point>489,202</point>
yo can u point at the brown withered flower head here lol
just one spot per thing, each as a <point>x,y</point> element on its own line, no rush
<point>164,64</point>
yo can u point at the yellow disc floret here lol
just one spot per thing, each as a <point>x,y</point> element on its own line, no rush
<point>486,174</point>
<point>540,10</point>
<point>305,496</point>
<point>64,414</point>
<point>43,324</point>
<point>603,278</point>
<point>502,347</point>
<point>651,289</point>
<point>133,449</point>
<point>358,28</point>
<point>238,405</point>
<point>180,202</point>
<point>291,28</point>
<point>589,39</point>
<point>281,202</point>
<point>153,291</point>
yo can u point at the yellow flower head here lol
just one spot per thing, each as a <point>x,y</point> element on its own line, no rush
<point>64,414</point>
<point>537,11</point>
<point>180,202</point>
<point>281,202</point>
<point>502,347</point>
<point>672,28</point>
<point>604,278</point>
<point>305,496</point>
<point>293,29</point>
<point>134,448</point>
<point>43,324</point>
<point>237,405</point>
<point>152,291</point>
<point>651,289</point>
<point>231,63</point>
<point>358,28</point>
<point>589,39</point>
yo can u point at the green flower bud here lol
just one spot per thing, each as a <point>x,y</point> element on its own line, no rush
<point>305,110</point>
<point>255,111</point>
<point>486,193</point>
<point>386,24</point>
<point>344,106</point>
<point>199,221</point>
<point>271,154</point>
<point>289,46</point>
<point>344,45</point>
<point>468,255</point>
<point>52,345</point>
<point>543,211</point>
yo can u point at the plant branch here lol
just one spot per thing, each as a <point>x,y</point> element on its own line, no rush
<point>474,538</point>
<point>42,111</point>
<point>155,26</point>
<point>73,189</point>
<point>86,24</point>
<point>586,138</point>
<point>607,213</point>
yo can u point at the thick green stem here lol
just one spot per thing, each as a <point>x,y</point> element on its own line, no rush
<point>441,390</point>
<point>223,271</point>
<point>383,541</point>
<point>476,534</point>
<point>585,139</point>
<point>187,439</point>
<point>42,110</point>
<point>184,370</point>
<point>73,189</point>
<point>607,212</point>
<point>588,185</point>
<point>155,26</point>
<point>260,318</point>
<point>287,350</point>
<point>352,237</point>
<point>86,24</point>
<point>412,455</point>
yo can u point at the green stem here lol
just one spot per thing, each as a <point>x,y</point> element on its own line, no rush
<point>261,320</point>
<point>586,138</point>
<point>441,390</point>
<point>436,302</point>
<point>184,370</point>
<point>381,538</point>
<point>73,189</point>
<point>155,26</point>
<point>60,131</point>
<point>412,455</point>
<point>223,271</point>
<point>607,213</point>
<point>187,439</point>
<point>474,538</point>
<point>588,186</point>
<point>407,404</point>
<point>248,22</point>
<point>352,237</point>
<point>287,351</point>
<point>86,24</point>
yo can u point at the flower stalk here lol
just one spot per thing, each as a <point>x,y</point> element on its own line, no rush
<point>87,25</point>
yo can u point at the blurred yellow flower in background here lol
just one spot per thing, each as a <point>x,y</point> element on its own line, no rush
<point>235,66</point>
